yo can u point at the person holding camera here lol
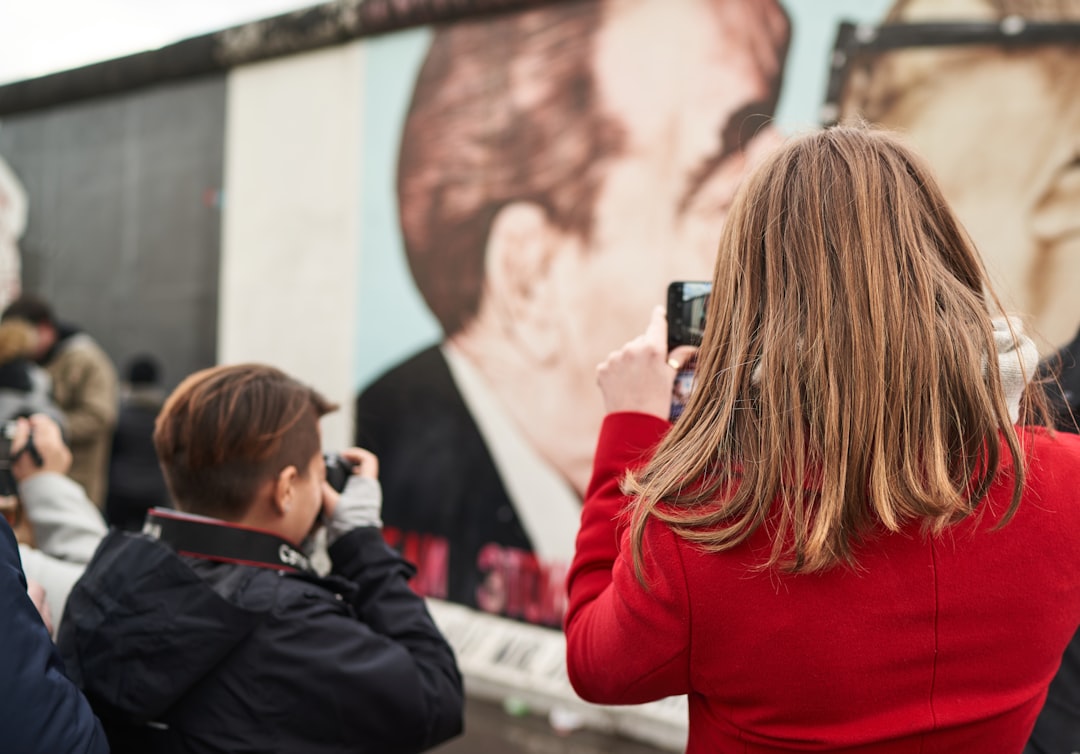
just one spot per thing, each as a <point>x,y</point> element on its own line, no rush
<point>84,387</point>
<point>856,537</point>
<point>211,632</point>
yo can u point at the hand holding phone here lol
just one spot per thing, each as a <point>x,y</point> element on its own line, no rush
<point>637,377</point>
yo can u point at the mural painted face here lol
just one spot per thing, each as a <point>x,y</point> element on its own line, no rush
<point>307,500</point>
<point>1011,172</point>
<point>691,85</point>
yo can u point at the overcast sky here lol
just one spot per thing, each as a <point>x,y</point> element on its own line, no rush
<point>45,36</point>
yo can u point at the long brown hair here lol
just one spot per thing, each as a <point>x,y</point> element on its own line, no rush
<point>846,381</point>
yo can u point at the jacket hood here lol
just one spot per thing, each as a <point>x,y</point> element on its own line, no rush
<point>141,628</point>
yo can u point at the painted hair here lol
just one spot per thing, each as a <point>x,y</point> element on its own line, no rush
<point>472,144</point>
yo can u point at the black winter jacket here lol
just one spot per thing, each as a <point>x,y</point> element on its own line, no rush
<point>41,711</point>
<point>178,654</point>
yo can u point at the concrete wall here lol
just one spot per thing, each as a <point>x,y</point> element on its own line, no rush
<point>124,226</point>
<point>290,238</point>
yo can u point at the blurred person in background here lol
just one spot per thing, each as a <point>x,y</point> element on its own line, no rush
<point>25,389</point>
<point>1061,371</point>
<point>84,386</point>
<point>857,536</point>
<point>136,483</point>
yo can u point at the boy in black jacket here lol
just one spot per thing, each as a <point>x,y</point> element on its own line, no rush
<point>210,631</point>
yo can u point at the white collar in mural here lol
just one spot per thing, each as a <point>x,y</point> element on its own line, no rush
<point>545,503</point>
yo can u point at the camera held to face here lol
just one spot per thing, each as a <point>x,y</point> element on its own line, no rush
<point>8,485</point>
<point>338,470</point>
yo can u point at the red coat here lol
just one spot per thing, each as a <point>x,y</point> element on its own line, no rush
<point>944,644</point>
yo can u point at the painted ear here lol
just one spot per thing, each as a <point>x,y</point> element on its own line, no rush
<point>1055,220</point>
<point>519,285</point>
<point>1057,213</point>
<point>283,489</point>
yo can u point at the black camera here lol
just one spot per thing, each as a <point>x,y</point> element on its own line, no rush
<point>338,470</point>
<point>8,485</point>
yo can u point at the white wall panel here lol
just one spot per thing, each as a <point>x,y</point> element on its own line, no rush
<point>291,221</point>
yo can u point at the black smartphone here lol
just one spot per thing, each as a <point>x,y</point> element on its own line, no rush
<point>687,302</point>
<point>8,486</point>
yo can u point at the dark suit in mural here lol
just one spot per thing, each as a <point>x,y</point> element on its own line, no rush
<point>558,168</point>
<point>436,468</point>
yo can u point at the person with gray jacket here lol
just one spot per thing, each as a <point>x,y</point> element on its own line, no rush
<point>85,387</point>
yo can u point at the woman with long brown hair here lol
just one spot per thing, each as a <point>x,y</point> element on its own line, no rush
<point>855,537</point>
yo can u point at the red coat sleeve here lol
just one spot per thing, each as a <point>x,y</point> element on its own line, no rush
<point>625,643</point>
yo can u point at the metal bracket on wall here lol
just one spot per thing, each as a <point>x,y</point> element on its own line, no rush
<point>856,44</point>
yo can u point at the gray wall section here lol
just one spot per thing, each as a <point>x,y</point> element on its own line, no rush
<point>124,234</point>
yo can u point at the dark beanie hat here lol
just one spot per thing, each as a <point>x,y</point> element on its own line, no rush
<point>143,371</point>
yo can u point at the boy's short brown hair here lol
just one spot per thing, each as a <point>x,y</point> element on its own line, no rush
<point>227,430</point>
